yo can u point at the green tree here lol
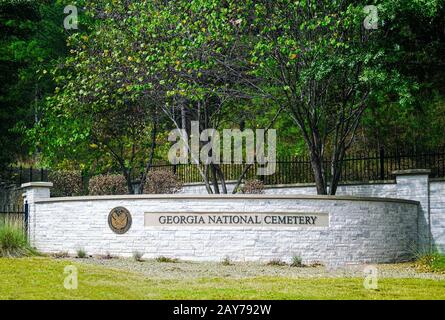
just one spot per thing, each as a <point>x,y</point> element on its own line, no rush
<point>154,56</point>
<point>139,62</point>
<point>31,43</point>
<point>325,68</point>
<point>415,40</point>
<point>105,105</point>
<point>322,65</point>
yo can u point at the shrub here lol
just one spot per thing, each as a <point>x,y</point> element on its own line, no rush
<point>81,253</point>
<point>13,241</point>
<point>107,184</point>
<point>60,255</point>
<point>296,261</point>
<point>253,186</point>
<point>438,264</point>
<point>226,261</point>
<point>137,256</point>
<point>106,256</point>
<point>431,262</point>
<point>162,181</point>
<point>66,183</point>
<point>276,262</point>
<point>166,259</point>
<point>428,259</point>
<point>316,264</point>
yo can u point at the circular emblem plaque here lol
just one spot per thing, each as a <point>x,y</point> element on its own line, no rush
<point>119,220</point>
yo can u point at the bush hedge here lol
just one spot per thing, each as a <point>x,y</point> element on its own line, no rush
<point>253,186</point>
<point>162,182</point>
<point>107,184</point>
<point>66,183</point>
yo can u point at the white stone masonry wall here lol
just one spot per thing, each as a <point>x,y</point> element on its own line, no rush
<point>360,230</point>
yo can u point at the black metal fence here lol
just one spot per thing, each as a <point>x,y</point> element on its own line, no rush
<point>15,214</point>
<point>369,166</point>
<point>20,174</point>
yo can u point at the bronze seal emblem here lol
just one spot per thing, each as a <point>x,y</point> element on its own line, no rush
<point>119,220</point>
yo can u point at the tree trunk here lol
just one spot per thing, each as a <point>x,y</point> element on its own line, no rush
<point>214,179</point>
<point>317,168</point>
<point>183,118</point>
<point>241,177</point>
<point>150,159</point>
<point>127,176</point>
<point>336,166</point>
<point>221,178</point>
<point>207,179</point>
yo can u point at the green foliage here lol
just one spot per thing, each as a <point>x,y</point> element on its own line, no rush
<point>13,241</point>
<point>319,65</point>
<point>325,69</point>
<point>81,253</point>
<point>124,69</point>
<point>166,259</point>
<point>438,264</point>
<point>296,261</point>
<point>32,42</point>
<point>408,110</point>
<point>97,117</point>
<point>232,63</point>
<point>430,261</point>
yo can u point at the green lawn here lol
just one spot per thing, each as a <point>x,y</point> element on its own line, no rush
<point>43,278</point>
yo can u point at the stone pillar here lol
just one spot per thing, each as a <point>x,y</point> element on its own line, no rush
<point>414,185</point>
<point>34,191</point>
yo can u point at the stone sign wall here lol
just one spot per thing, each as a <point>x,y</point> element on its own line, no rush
<point>350,230</point>
<point>409,184</point>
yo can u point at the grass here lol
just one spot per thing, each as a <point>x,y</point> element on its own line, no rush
<point>431,262</point>
<point>43,278</point>
<point>13,241</point>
